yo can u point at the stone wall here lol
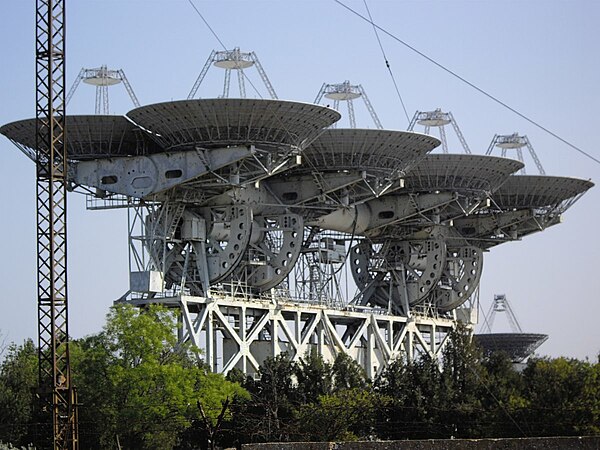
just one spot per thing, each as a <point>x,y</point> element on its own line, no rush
<point>559,443</point>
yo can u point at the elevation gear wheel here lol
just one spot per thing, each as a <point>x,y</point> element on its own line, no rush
<point>272,252</point>
<point>387,272</point>
<point>460,277</point>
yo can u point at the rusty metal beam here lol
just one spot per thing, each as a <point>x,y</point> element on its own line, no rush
<point>56,391</point>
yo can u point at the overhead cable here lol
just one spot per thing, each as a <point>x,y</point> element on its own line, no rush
<point>207,25</point>
<point>223,45</point>
<point>387,63</point>
<point>480,90</point>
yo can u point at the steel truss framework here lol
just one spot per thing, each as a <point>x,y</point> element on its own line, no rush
<point>239,332</point>
<point>516,142</point>
<point>242,208</point>
<point>102,77</point>
<point>56,391</point>
<point>233,60</point>
<point>439,119</point>
<point>347,92</point>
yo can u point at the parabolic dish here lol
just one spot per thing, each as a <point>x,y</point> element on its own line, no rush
<point>518,346</point>
<point>211,123</point>
<point>460,173</point>
<point>88,137</point>
<point>376,151</point>
<point>539,191</point>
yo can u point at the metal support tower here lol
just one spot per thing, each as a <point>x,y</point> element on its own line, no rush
<point>102,78</point>
<point>439,119</point>
<point>347,92</point>
<point>516,142</point>
<point>501,305</point>
<point>56,391</point>
<point>233,60</point>
<point>234,331</point>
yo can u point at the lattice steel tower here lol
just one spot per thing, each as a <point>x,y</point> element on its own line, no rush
<point>56,391</point>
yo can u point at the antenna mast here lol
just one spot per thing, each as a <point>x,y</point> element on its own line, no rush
<point>56,391</point>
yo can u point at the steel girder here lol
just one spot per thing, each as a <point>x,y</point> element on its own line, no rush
<point>234,332</point>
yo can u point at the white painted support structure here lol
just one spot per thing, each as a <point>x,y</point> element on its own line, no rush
<point>236,332</point>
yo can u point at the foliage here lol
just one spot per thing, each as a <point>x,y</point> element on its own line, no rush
<point>562,397</point>
<point>18,378</point>
<point>346,415</point>
<point>139,388</point>
<point>313,377</point>
<point>347,374</point>
<point>411,400</point>
<point>142,384</point>
<point>463,379</point>
<point>269,417</point>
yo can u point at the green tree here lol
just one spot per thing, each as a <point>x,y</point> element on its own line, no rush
<point>562,397</point>
<point>411,400</point>
<point>502,397</point>
<point>346,415</point>
<point>18,379</point>
<point>463,378</point>
<point>314,377</point>
<point>143,386</point>
<point>269,416</point>
<point>347,374</point>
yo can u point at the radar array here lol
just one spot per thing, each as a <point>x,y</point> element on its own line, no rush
<point>270,231</point>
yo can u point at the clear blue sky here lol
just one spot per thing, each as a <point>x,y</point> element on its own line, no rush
<point>540,57</point>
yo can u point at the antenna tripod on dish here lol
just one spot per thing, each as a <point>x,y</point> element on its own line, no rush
<point>102,77</point>
<point>501,305</point>
<point>439,119</point>
<point>516,142</point>
<point>233,60</point>
<point>346,92</point>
